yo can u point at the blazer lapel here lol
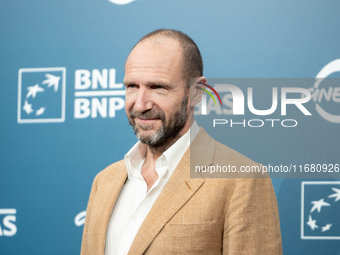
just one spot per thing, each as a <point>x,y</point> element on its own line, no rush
<point>104,203</point>
<point>202,152</point>
<point>177,191</point>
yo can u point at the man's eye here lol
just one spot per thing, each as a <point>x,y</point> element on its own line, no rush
<point>131,86</point>
<point>156,87</point>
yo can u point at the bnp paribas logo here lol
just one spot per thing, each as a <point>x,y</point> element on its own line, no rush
<point>320,210</point>
<point>41,95</point>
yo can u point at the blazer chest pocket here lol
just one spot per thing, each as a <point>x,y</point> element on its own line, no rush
<point>205,229</point>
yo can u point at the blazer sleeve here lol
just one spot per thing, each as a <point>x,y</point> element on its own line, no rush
<point>252,224</point>
<point>84,244</point>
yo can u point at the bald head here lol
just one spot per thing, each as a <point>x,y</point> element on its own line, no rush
<point>191,59</point>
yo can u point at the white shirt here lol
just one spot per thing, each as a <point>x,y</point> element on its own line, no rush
<point>134,203</point>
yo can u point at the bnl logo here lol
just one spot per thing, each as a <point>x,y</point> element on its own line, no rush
<point>41,95</point>
<point>8,228</point>
<point>320,206</point>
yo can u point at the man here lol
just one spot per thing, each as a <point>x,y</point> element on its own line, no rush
<point>148,204</point>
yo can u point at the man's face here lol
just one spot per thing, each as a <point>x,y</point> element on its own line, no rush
<point>156,99</point>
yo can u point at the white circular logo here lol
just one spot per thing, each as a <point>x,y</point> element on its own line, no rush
<point>121,2</point>
<point>334,93</point>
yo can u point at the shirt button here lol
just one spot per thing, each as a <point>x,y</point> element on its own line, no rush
<point>134,217</point>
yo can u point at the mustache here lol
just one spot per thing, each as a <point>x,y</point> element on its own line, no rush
<point>150,114</point>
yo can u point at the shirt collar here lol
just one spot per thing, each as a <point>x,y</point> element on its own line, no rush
<point>177,150</point>
<point>173,155</point>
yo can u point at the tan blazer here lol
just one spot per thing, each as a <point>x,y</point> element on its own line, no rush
<point>193,215</point>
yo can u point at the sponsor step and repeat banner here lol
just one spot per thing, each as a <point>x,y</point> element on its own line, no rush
<point>272,94</point>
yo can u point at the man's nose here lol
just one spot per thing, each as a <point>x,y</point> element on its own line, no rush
<point>143,100</point>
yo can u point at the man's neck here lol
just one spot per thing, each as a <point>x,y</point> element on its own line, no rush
<point>148,170</point>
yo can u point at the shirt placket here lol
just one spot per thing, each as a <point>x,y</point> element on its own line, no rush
<point>135,221</point>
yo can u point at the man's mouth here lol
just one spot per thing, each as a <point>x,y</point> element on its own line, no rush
<point>147,120</point>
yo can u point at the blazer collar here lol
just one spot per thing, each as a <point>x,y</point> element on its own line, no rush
<point>108,195</point>
<point>202,149</point>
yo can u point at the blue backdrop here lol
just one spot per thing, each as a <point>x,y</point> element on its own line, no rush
<point>62,105</point>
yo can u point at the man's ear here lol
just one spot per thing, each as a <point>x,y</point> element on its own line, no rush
<point>195,91</point>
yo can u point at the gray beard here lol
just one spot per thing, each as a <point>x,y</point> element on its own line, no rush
<point>165,133</point>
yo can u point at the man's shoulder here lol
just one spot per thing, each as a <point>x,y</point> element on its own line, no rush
<point>224,161</point>
<point>236,164</point>
<point>208,146</point>
<point>224,153</point>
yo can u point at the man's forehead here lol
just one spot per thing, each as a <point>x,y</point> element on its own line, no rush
<point>152,73</point>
